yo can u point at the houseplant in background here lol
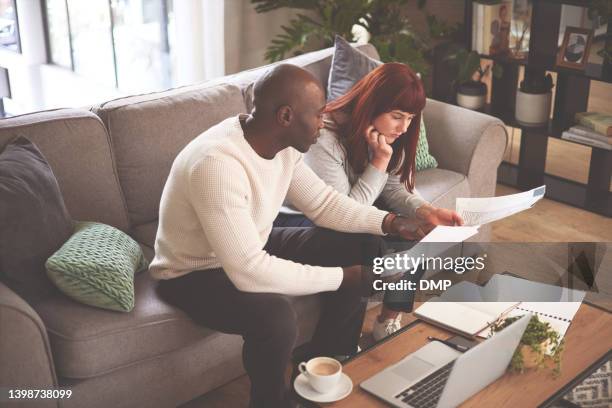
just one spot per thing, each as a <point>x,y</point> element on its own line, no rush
<point>540,345</point>
<point>471,91</point>
<point>387,25</point>
<point>533,100</point>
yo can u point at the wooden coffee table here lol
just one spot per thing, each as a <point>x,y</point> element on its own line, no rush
<point>588,338</point>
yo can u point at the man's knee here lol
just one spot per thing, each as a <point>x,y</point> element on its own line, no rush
<point>277,318</point>
<point>365,247</point>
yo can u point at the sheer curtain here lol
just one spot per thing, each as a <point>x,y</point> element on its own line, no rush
<point>199,41</point>
<point>220,37</point>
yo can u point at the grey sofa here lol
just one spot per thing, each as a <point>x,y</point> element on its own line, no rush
<point>111,163</point>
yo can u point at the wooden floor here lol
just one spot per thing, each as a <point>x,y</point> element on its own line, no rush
<point>551,221</point>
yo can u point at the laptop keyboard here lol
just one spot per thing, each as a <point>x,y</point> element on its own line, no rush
<point>427,392</point>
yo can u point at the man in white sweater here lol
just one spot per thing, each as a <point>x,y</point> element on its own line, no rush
<point>218,258</point>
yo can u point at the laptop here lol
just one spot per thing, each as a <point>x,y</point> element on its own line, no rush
<point>438,376</point>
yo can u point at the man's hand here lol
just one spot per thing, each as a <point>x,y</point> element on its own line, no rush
<point>410,229</point>
<point>357,278</point>
<point>438,216</point>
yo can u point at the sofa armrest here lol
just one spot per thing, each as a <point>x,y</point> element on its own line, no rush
<point>24,347</point>
<point>467,142</point>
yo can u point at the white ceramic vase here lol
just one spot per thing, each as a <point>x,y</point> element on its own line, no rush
<point>471,95</point>
<point>532,109</point>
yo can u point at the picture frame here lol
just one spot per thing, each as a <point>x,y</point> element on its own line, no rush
<point>9,26</point>
<point>574,51</point>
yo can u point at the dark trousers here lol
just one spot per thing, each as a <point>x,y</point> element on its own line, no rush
<point>398,301</point>
<point>268,321</point>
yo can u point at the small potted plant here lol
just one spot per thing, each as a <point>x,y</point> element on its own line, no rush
<point>540,346</point>
<point>471,91</point>
<point>533,100</point>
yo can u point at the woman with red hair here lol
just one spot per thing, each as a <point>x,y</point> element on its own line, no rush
<point>367,151</point>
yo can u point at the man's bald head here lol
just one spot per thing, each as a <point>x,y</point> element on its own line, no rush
<point>288,102</point>
<point>282,85</point>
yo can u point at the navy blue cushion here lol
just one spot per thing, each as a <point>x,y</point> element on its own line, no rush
<point>34,221</point>
<point>348,66</point>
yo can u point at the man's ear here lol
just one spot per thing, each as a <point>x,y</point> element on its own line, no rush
<point>284,115</point>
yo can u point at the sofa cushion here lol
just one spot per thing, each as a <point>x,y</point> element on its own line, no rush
<point>441,187</point>
<point>89,341</point>
<point>77,147</point>
<point>423,159</point>
<point>145,233</point>
<point>317,63</point>
<point>348,66</point>
<point>96,267</point>
<point>148,132</point>
<point>34,221</point>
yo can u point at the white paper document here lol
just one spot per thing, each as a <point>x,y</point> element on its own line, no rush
<point>479,211</point>
<point>443,233</point>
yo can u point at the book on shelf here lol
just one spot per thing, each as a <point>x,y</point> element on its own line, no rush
<point>598,121</point>
<point>491,23</point>
<point>588,132</point>
<point>472,310</point>
<point>586,140</point>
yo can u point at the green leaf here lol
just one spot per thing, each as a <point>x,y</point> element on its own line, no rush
<point>498,71</point>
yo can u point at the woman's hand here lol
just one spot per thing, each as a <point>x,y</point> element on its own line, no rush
<point>381,151</point>
<point>438,216</point>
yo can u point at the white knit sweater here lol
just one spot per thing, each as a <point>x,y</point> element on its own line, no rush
<point>218,206</point>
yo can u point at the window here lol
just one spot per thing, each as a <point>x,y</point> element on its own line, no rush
<point>9,29</point>
<point>142,48</point>
<point>122,43</point>
<point>57,33</point>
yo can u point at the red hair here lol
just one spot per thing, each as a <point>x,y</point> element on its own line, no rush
<point>391,86</point>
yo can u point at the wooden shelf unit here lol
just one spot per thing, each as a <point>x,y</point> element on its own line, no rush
<point>571,96</point>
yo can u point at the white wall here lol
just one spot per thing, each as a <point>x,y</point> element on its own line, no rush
<point>248,34</point>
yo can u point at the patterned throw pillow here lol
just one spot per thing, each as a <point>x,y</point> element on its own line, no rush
<point>348,66</point>
<point>424,160</point>
<point>96,266</point>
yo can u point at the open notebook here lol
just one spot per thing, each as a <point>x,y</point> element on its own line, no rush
<point>469,309</point>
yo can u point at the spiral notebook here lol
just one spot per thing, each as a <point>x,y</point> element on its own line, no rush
<point>469,309</point>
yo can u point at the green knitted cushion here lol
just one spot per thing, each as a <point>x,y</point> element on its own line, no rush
<point>424,160</point>
<point>96,266</point>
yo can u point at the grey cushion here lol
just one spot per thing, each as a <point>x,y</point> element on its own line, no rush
<point>145,233</point>
<point>88,341</point>
<point>441,187</point>
<point>317,63</point>
<point>77,147</point>
<point>348,66</point>
<point>148,132</point>
<point>80,334</point>
<point>34,222</point>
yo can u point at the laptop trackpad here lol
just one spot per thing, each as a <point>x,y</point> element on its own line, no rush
<point>412,368</point>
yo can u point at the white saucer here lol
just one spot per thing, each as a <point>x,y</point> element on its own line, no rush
<point>304,390</point>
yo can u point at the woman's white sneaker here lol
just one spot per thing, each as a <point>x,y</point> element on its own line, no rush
<point>386,328</point>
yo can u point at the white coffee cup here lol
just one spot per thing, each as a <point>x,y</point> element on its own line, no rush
<point>322,373</point>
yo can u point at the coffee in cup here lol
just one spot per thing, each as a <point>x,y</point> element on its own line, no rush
<point>322,373</point>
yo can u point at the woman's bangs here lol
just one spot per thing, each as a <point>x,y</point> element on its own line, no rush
<point>411,99</point>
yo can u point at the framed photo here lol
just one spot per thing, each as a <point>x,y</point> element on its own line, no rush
<point>574,51</point>
<point>9,27</point>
